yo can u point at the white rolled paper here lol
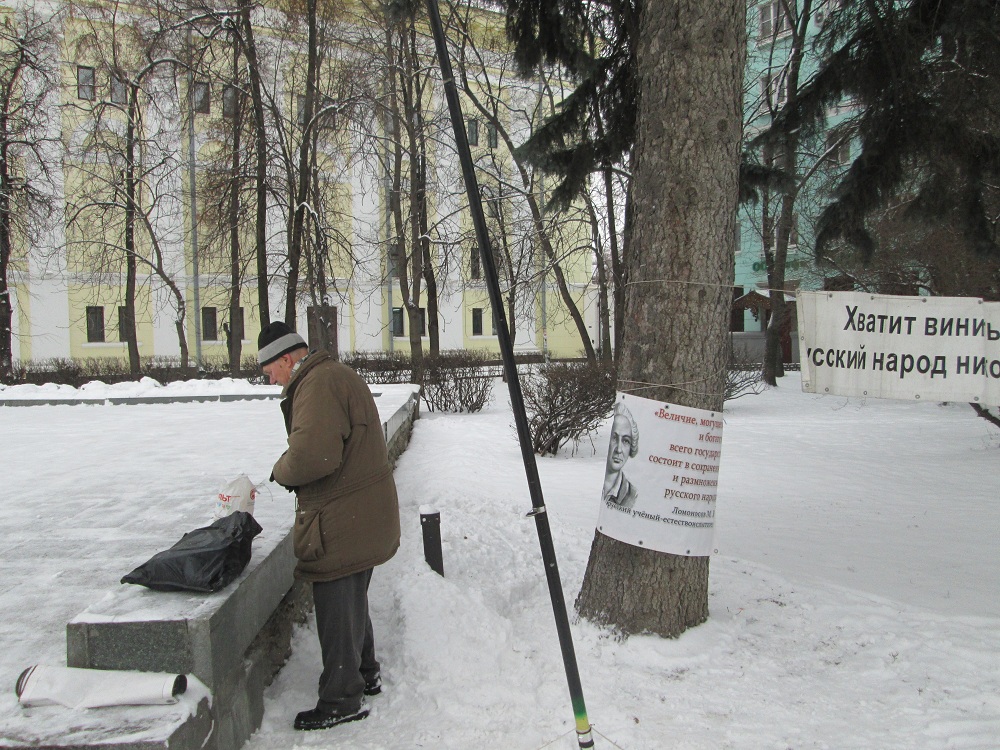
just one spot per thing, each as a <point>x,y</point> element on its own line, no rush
<point>92,688</point>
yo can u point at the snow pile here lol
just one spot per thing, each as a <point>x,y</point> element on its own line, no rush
<point>142,388</point>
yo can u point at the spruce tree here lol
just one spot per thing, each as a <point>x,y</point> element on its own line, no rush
<point>924,78</point>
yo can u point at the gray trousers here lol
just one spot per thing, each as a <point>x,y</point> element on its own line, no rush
<point>347,641</point>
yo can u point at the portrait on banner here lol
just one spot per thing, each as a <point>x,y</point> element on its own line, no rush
<point>661,494</point>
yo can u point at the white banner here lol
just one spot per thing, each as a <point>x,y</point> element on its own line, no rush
<point>661,476</point>
<point>937,348</point>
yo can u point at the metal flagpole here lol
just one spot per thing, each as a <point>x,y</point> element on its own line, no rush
<point>538,511</point>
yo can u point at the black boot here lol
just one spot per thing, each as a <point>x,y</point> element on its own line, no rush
<point>317,718</point>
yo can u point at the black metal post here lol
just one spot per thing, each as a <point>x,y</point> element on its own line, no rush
<point>430,524</point>
<point>538,511</point>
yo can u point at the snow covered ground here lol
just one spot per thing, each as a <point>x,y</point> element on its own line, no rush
<point>854,599</point>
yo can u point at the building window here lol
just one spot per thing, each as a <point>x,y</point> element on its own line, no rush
<point>125,323</point>
<point>230,101</point>
<point>774,90</point>
<point>491,135</point>
<point>95,324</point>
<point>209,324</point>
<point>396,259</point>
<point>475,264</point>
<point>423,322</point>
<point>477,322</point>
<point>736,314</point>
<point>201,101</point>
<point>85,88</point>
<point>300,110</point>
<point>119,91</point>
<point>472,128</point>
<point>773,20</point>
<point>838,149</point>
<point>397,321</point>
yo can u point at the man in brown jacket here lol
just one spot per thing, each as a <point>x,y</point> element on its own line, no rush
<point>346,515</point>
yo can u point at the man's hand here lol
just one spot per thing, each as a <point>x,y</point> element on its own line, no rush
<point>290,489</point>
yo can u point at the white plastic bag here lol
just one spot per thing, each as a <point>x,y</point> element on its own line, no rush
<point>94,688</point>
<point>239,494</point>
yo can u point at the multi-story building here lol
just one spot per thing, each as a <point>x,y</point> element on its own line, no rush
<point>138,137</point>
<point>777,29</point>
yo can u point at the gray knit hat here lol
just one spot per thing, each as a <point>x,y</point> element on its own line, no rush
<point>277,339</point>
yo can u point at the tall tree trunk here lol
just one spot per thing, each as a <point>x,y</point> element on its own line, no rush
<point>406,104</point>
<point>567,298</point>
<point>426,249</point>
<point>130,188</point>
<point>235,336</point>
<point>128,322</point>
<point>779,325</point>
<point>430,284</point>
<point>538,220</point>
<point>416,198</point>
<point>6,308</point>
<point>260,155</point>
<point>603,313</point>
<point>690,60</point>
<point>301,192</point>
<point>773,366</point>
<point>318,260</point>
<point>619,270</point>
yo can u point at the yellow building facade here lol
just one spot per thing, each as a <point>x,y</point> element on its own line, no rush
<point>142,226</point>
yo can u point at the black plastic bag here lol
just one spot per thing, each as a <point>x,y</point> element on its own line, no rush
<point>206,559</point>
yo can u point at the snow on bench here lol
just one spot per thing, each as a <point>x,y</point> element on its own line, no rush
<point>233,641</point>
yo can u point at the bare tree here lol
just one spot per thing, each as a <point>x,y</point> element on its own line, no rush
<point>785,49</point>
<point>313,148</point>
<point>227,184</point>
<point>487,80</point>
<point>28,75</point>
<point>249,41</point>
<point>402,56</point>
<point>121,160</point>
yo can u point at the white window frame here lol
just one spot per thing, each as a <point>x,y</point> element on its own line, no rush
<point>119,90</point>
<point>772,20</point>
<point>201,98</point>
<point>774,89</point>
<point>86,90</point>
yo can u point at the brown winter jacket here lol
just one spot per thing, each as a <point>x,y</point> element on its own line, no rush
<point>347,515</point>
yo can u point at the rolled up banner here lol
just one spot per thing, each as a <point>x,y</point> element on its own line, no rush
<point>93,688</point>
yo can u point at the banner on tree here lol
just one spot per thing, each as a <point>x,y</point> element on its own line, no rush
<point>885,346</point>
<point>661,476</point>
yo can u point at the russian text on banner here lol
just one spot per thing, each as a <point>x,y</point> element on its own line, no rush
<point>661,476</point>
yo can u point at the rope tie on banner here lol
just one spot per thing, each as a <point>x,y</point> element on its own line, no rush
<point>644,385</point>
<point>700,283</point>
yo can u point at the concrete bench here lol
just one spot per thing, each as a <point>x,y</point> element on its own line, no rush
<point>233,641</point>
